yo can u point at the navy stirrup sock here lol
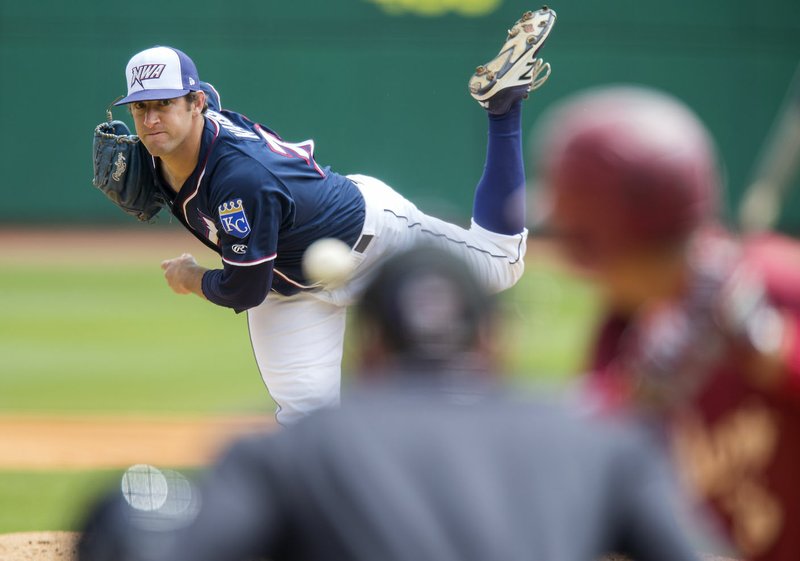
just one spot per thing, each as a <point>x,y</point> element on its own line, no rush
<point>499,204</point>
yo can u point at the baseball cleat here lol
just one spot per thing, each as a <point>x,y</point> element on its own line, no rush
<point>515,71</point>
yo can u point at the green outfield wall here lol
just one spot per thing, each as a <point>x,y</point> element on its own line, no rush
<point>379,84</point>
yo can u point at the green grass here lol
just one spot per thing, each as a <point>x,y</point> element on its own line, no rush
<point>83,339</point>
<point>34,501</point>
<point>86,338</point>
<point>549,317</point>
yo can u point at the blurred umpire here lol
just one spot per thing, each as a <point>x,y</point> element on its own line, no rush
<point>429,458</point>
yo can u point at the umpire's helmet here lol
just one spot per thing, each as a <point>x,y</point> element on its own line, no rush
<point>426,305</point>
<point>625,167</point>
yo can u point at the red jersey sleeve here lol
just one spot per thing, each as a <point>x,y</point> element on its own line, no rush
<point>777,259</point>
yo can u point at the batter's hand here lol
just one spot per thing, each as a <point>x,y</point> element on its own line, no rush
<point>184,275</point>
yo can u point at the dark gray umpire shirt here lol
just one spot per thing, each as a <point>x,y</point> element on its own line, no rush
<point>419,475</point>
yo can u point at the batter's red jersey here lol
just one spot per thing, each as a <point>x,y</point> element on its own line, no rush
<point>737,445</point>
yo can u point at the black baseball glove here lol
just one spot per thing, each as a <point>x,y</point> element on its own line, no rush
<point>122,173</point>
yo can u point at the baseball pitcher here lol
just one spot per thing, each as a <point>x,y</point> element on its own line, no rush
<point>260,201</point>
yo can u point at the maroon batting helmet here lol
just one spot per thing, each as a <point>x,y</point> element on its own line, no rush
<point>626,167</point>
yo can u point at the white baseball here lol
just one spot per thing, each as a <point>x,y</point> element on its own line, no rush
<point>328,262</point>
<point>144,487</point>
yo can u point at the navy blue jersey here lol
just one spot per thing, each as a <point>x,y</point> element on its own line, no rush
<point>260,202</point>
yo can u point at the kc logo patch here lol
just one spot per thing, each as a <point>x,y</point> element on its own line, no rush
<point>233,219</point>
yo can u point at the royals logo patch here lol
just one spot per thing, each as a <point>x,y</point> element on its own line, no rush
<point>233,219</point>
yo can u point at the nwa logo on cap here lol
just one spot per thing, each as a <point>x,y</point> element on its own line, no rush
<point>146,72</point>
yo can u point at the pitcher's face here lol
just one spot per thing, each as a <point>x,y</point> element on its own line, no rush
<point>163,125</point>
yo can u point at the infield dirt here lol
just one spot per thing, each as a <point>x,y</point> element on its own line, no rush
<point>38,546</point>
<point>42,442</point>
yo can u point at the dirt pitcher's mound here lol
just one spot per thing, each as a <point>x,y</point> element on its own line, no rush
<point>38,546</point>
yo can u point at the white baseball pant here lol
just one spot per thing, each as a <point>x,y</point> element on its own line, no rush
<point>297,340</point>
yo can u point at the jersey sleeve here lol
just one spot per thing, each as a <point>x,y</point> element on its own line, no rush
<point>251,208</point>
<point>777,259</point>
<point>240,288</point>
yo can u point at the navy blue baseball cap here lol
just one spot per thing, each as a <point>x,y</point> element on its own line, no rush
<point>159,73</point>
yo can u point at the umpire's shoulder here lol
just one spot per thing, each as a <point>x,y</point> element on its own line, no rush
<point>570,419</point>
<point>320,426</point>
<point>633,446</point>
